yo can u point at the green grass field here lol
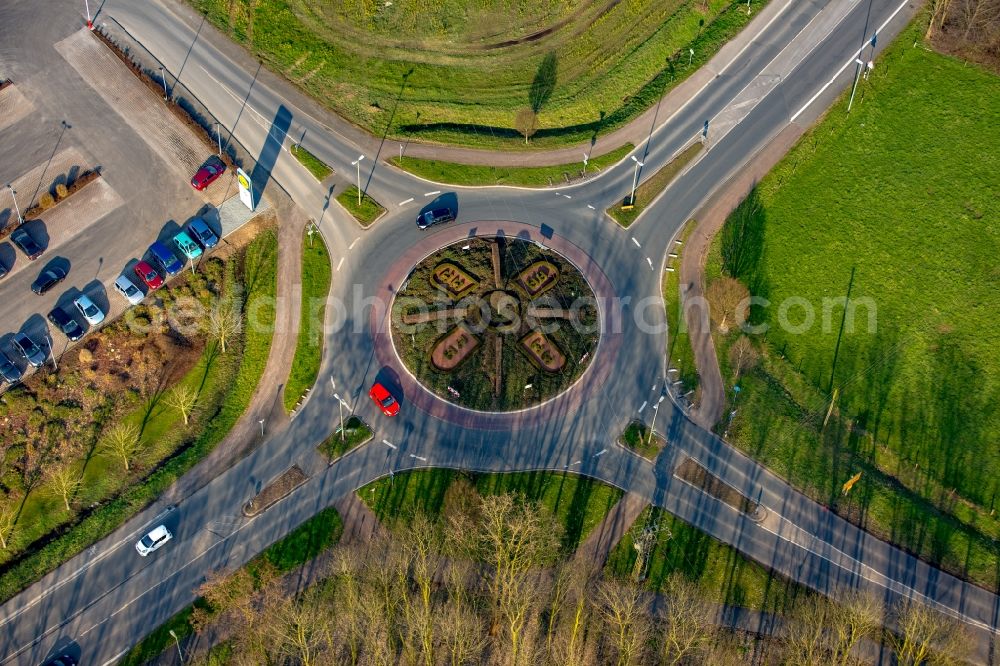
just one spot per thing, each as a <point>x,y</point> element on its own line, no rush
<point>577,503</point>
<point>679,351</point>
<point>897,202</point>
<point>458,72</point>
<point>356,432</point>
<point>313,164</point>
<point>725,576</point>
<point>316,272</point>
<point>476,174</point>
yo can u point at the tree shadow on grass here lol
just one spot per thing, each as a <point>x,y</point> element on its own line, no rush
<point>544,83</point>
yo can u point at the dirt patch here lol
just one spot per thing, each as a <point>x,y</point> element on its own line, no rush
<point>700,478</point>
<point>289,480</point>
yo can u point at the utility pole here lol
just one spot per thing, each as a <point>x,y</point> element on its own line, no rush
<point>20,220</point>
<point>357,163</point>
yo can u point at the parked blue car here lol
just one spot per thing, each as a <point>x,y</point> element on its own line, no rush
<point>166,259</point>
<point>203,233</point>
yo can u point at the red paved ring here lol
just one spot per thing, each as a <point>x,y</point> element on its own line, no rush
<point>567,402</point>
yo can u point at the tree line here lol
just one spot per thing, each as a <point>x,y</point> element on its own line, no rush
<point>486,584</point>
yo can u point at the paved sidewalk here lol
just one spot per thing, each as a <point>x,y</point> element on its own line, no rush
<point>710,219</point>
<point>635,132</point>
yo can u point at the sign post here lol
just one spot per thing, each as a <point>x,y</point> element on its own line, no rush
<point>246,188</point>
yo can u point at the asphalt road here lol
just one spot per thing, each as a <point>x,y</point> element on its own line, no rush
<point>106,599</point>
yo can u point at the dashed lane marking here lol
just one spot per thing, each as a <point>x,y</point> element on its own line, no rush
<point>403,203</point>
<point>636,242</point>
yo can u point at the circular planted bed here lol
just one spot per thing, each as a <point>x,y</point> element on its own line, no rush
<point>495,324</point>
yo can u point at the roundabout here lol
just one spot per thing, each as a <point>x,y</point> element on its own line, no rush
<point>495,323</point>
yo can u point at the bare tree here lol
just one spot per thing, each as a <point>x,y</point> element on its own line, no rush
<point>924,636</point>
<point>743,356</point>
<point>224,323</point>
<point>299,628</point>
<point>8,520</point>
<point>688,621</point>
<point>856,615</point>
<point>64,481</point>
<point>626,615</point>
<point>123,441</point>
<point>806,641</point>
<point>526,122</point>
<point>182,398</point>
<point>725,296</point>
<point>461,634</point>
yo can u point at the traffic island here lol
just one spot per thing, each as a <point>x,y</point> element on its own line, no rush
<point>691,472</point>
<point>364,209</point>
<point>632,206</point>
<point>281,487</point>
<point>353,434</point>
<point>638,439</point>
<point>495,323</point>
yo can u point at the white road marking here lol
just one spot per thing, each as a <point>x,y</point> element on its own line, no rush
<point>848,63</point>
<point>353,243</point>
<point>600,453</point>
<point>389,444</point>
<point>116,657</point>
<point>567,196</point>
<point>643,405</point>
<point>591,207</point>
<point>339,264</point>
<point>650,262</point>
<point>342,401</point>
<point>430,194</point>
<point>333,383</point>
<point>636,242</point>
<point>420,458</point>
<point>403,203</point>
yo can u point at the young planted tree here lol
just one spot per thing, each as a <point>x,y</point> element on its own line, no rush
<point>64,481</point>
<point>183,398</point>
<point>224,323</point>
<point>726,296</point>
<point>743,356</point>
<point>123,441</point>
<point>526,122</point>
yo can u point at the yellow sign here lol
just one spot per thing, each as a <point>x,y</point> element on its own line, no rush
<point>244,182</point>
<point>246,189</point>
<point>850,483</point>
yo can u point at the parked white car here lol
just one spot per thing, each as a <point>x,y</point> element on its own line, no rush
<point>157,537</point>
<point>88,309</point>
<point>127,288</point>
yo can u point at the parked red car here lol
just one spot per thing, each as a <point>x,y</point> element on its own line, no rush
<point>148,275</point>
<point>384,399</point>
<point>208,173</point>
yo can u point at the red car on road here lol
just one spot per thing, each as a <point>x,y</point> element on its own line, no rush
<point>208,173</point>
<point>148,275</point>
<point>384,399</point>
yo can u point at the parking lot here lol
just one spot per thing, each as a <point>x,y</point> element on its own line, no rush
<point>77,107</point>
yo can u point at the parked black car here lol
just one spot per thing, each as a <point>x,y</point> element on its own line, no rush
<point>48,278</point>
<point>69,326</point>
<point>10,372</point>
<point>23,240</point>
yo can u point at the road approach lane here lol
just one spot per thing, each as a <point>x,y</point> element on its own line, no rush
<point>569,438</point>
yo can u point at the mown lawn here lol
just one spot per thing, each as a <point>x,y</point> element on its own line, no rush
<point>577,503</point>
<point>455,72</point>
<point>317,167</point>
<point>366,212</point>
<point>476,174</point>
<point>897,203</point>
<point>316,272</point>
<point>355,433</point>
<point>721,572</point>
<point>679,351</point>
<point>647,192</point>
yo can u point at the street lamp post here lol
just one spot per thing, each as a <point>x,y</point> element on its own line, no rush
<point>90,23</point>
<point>854,88</point>
<point>177,642</point>
<point>586,158</point>
<point>163,78</point>
<point>261,427</point>
<point>20,220</point>
<point>357,163</point>
<point>690,56</point>
<point>635,179</point>
<point>218,137</point>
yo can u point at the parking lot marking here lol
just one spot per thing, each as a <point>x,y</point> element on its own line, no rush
<point>403,203</point>
<point>430,194</point>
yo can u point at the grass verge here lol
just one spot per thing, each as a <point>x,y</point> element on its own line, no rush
<point>313,164</point>
<point>452,173</point>
<point>577,503</point>
<point>366,212</point>
<point>680,354</point>
<point>901,385</point>
<point>649,190</point>
<point>248,356</point>
<point>356,432</point>
<point>316,273</point>
<point>721,572</point>
<point>302,544</point>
